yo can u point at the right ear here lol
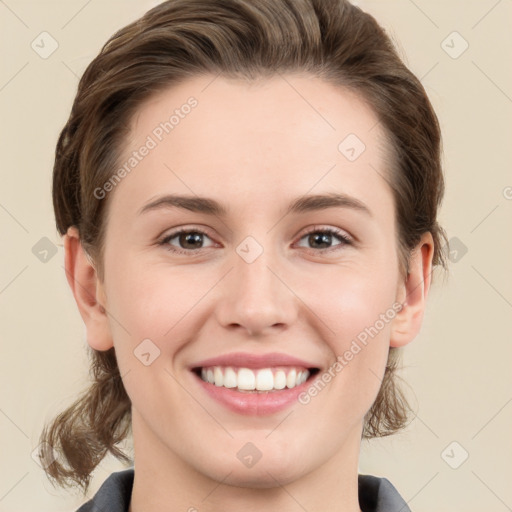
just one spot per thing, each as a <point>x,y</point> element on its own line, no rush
<point>88,291</point>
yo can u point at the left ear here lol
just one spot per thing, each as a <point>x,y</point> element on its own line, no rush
<point>413,293</point>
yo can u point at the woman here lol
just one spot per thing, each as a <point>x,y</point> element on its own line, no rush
<point>248,192</point>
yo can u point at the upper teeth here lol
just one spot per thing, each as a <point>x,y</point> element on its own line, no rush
<point>264,379</point>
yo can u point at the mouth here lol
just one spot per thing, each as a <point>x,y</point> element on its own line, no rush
<point>255,380</point>
<point>254,384</point>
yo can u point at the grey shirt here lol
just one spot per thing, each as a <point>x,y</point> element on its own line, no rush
<point>375,495</point>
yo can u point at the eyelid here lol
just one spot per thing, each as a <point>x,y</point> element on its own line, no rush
<point>336,231</point>
<point>192,227</point>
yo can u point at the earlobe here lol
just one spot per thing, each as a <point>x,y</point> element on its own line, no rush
<point>88,291</point>
<point>413,294</point>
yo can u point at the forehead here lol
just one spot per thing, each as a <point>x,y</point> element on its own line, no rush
<point>225,137</point>
<point>322,111</point>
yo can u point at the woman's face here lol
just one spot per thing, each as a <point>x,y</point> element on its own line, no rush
<point>251,287</point>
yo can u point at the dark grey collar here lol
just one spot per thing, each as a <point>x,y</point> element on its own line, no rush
<point>375,495</point>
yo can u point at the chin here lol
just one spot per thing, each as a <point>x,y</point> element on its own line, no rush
<point>268,472</point>
<point>264,478</point>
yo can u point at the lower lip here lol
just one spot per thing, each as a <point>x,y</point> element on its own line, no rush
<point>259,403</point>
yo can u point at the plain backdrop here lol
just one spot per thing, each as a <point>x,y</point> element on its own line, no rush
<point>456,455</point>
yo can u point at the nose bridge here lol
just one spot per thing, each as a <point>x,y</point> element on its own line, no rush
<point>256,280</point>
<point>256,298</point>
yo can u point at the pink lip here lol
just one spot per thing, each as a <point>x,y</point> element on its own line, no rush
<point>253,404</point>
<point>246,360</point>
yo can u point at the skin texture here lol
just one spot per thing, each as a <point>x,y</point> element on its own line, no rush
<point>254,147</point>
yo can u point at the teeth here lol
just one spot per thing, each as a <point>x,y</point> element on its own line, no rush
<point>280,380</point>
<point>291,379</point>
<point>230,378</point>
<point>245,379</point>
<point>264,380</point>
<point>218,376</point>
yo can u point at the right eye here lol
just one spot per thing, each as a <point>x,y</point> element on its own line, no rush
<point>188,240</point>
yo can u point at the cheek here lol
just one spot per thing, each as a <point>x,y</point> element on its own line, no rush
<point>156,310</point>
<point>357,311</point>
<point>353,298</point>
<point>149,300</point>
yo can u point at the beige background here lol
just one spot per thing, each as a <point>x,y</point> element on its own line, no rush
<point>458,369</point>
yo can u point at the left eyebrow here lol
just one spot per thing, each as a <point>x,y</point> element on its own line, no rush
<point>324,201</point>
<point>300,205</point>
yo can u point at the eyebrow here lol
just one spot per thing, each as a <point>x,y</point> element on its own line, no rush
<point>210,206</point>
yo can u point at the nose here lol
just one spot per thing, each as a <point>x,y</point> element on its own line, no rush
<point>256,297</point>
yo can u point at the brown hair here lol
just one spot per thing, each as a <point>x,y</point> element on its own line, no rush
<point>330,39</point>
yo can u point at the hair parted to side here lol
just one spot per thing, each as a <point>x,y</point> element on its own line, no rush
<point>331,39</point>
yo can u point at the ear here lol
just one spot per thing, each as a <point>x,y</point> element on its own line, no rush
<point>412,293</point>
<point>88,291</point>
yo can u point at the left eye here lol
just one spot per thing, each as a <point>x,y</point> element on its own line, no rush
<point>324,237</point>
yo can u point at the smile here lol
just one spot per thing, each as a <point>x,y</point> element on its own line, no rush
<point>254,380</point>
<point>254,384</point>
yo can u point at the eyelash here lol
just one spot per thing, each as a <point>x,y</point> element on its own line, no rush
<point>345,240</point>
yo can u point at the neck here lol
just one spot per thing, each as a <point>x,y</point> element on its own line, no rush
<point>163,482</point>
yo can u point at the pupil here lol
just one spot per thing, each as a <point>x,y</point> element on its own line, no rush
<point>323,238</point>
<point>190,238</point>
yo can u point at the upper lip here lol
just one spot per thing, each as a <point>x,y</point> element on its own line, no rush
<point>247,360</point>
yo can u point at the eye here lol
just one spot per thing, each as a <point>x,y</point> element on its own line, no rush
<point>322,239</point>
<point>189,240</point>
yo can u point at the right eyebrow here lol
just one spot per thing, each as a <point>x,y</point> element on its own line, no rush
<point>192,203</point>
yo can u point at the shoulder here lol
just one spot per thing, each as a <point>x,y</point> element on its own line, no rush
<point>378,494</point>
<point>114,495</point>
